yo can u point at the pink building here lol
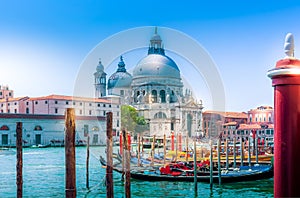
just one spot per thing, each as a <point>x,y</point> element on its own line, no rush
<point>261,115</point>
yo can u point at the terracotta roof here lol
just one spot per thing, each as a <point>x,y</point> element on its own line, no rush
<point>71,98</point>
<point>249,126</point>
<point>14,99</point>
<point>228,114</point>
<point>230,123</point>
<point>51,117</point>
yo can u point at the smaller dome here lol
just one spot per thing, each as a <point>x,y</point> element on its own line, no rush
<point>100,67</point>
<point>121,78</point>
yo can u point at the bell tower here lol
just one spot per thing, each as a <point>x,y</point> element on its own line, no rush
<point>100,81</point>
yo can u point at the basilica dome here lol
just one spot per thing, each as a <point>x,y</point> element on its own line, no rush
<point>158,65</point>
<point>121,78</point>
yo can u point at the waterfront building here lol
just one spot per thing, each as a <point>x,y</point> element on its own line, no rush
<point>261,115</point>
<point>156,90</point>
<point>5,92</point>
<point>43,118</point>
<point>229,125</point>
<point>213,121</point>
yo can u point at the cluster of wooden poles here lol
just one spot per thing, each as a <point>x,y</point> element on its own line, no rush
<point>70,173</point>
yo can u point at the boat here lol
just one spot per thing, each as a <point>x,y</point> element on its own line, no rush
<point>243,173</point>
<point>7,151</point>
<point>40,145</point>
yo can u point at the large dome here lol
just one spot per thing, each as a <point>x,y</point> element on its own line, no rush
<point>156,65</point>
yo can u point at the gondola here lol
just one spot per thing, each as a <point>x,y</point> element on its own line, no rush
<point>243,173</point>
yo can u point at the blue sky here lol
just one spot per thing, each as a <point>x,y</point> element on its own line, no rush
<point>43,43</point>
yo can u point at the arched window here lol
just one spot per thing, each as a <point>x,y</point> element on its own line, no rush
<point>162,95</point>
<point>154,96</point>
<point>4,128</point>
<point>95,128</point>
<point>38,128</point>
<point>160,115</point>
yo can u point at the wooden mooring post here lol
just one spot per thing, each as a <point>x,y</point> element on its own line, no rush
<point>219,160</point>
<point>139,150</point>
<point>127,165</point>
<point>86,133</point>
<point>242,152</point>
<point>249,153</point>
<point>109,157</point>
<point>227,154</point>
<point>195,169</point>
<point>19,165</point>
<point>152,151</point>
<point>234,152</point>
<point>211,165</point>
<point>70,153</point>
<point>164,149</point>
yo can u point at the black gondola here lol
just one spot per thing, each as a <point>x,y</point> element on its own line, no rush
<point>241,174</point>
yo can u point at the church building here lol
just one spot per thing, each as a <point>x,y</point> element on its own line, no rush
<point>156,90</point>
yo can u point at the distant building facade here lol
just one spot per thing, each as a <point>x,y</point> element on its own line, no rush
<point>229,125</point>
<point>213,121</point>
<point>43,118</point>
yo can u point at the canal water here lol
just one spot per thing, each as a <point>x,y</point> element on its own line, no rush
<point>44,176</point>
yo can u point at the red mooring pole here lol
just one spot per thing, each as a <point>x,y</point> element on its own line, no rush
<point>172,141</point>
<point>286,82</point>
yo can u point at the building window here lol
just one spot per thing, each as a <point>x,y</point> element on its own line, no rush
<point>55,101</point>
<point>90,112</point>
<point>8,104</point>
<point>46,102</point>
<point>36,102</point>
<point>90,104</point>
<point>95,139</point>
<point>162,95</point>
<point>9,94</point>
<point>80,112</point>
<point>122,92</point>
<point>109,105</point>
<point>74,103</point>
<point>67,102</point>
<point>4,128</point>
<point>172,126</point>
<point>80,104</point>
<point>27,103</point>
<point>27,110</point>
<point>118,113</point>
<point>154,96</point>
<point>160,115</point>
<point>15,110</point>
<point>8,111</point>
<point>118,123</point>
<point>104,105</point>
<point>98,105</point>
<point>38,128</point>
<point>1,93</point>
<point>104,113</point>
<point>55,110</point>
<point>15,103</point>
